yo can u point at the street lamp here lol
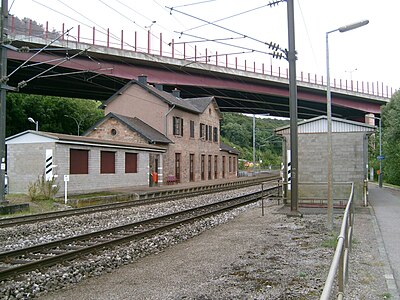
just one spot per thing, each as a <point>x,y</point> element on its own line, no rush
<point>254,142</point>
<point>78,123</point>
<point>380,157</point>
<point>34,122</point>
<point>329,117</point>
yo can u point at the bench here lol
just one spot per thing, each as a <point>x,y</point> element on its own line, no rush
<point>171,179</point>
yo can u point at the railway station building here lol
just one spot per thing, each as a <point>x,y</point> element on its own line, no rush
<point>147,137</point>
<point>189,129</point>
<point>349,156</point>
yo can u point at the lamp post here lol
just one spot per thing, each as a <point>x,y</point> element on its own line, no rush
<point>380,157</point>
<point>34,122</point>
<point>78,123</point>
<point>149,34</point>
<point>329,117</point>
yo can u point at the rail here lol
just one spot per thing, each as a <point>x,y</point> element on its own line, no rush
<point>135,200</point>
<point>23,260</point>
<point>339,266</point>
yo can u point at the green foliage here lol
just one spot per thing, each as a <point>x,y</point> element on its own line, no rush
<point>330,242</point>
<point>42,189</point>
<point>54,114</point>
<point>391,139</point>
<point>237,131</point>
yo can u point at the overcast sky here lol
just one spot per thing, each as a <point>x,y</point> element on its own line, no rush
<point>369,53</point>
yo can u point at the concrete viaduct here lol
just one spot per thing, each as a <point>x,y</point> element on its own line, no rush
<point>91,71</point>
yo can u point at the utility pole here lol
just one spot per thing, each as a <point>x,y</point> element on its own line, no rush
<point>291,57</point>
<point>3,92</point>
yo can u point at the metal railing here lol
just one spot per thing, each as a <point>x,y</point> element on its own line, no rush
<point>339,266</point>
<point>152,43</point>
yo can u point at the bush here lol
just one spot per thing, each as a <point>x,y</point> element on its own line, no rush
<point>42,189</point>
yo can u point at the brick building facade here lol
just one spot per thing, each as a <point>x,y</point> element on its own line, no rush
<point>189,129</point>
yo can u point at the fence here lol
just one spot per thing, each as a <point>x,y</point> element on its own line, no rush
<point>339,266</point>
<point>152,43</point>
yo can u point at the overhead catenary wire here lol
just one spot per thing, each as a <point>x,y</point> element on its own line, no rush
<point>239,104</point>
<point>271,45</point>
<point>274,54</point>
<point>228,17</point>
<point>37,53</point>
<point>25,82</point>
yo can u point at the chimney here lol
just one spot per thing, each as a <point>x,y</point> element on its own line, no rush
<point>159,86</point>
<point>176,93</point>
<point>142,79</point>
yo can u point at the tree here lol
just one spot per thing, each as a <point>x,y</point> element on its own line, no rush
<point>55,114</point>
<point>237,131</point>
<point>391,139</point>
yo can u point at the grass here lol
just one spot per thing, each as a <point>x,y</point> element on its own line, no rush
<point>331,242</point>
<point>35,207</point>
<point>90,195</point>
<point>386,296</point>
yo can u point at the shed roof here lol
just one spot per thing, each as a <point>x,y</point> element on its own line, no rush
<point>30,136</point>
<point>135,124</point>
<point>227,148</point>
<point>320,125</point>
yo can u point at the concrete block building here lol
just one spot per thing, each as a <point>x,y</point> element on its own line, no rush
<point>349,152</point>
<point>91,164</point>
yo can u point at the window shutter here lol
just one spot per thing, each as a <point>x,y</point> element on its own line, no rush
<point>181,126</point>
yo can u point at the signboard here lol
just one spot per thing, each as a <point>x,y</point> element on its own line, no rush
<point>380,157</point>
<point>66,178</point>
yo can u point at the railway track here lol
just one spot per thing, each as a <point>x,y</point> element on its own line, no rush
<point>156,197</point>
<point>23,260</point>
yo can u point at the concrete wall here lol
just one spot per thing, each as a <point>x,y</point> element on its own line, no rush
<point>349,153</point>
<point>25,163</point>
<point>22,171</point>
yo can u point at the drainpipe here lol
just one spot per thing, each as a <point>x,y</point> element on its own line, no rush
<point>166,120</point>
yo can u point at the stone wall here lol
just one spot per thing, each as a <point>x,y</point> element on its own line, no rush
<point>122,132</point>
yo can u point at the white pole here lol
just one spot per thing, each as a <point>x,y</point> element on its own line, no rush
<point>65,192</point>
<point>66,179</point>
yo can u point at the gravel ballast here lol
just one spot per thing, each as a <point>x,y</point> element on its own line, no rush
<point>249,256</point>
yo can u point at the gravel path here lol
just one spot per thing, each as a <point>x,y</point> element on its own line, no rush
<point>247,257</point>
<point>32,234</point>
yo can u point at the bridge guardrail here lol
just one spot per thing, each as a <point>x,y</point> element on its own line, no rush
<point>339,266</point>
<point>180,50</point>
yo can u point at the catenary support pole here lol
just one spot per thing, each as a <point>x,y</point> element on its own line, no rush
<point>3,92</point>
<point>291,56</point>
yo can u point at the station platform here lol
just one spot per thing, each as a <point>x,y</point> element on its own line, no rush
<point>385,203</point>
